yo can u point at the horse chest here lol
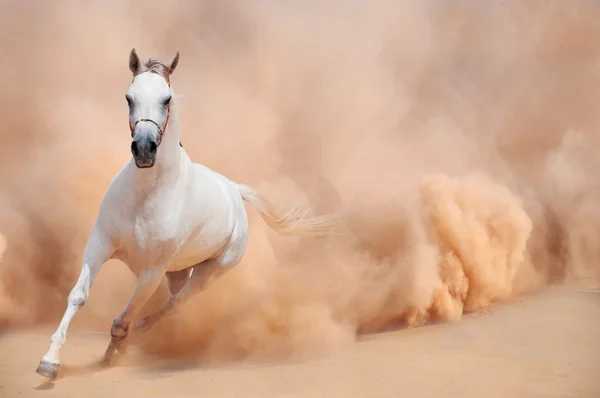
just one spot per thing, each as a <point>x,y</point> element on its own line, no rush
<point>153,229</point>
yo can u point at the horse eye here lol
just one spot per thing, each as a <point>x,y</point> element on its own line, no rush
<point>128,100</point>
<point>167,101</point>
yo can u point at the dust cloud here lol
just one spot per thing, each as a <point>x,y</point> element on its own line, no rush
<point>460,138</point>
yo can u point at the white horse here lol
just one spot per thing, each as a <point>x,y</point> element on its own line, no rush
<point>165,215</point>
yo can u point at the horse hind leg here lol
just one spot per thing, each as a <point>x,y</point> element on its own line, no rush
<point>202,275</point>
<point>199,279</point>
<point>173,283</point>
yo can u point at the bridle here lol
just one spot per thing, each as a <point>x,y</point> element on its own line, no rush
<point>161,131</point>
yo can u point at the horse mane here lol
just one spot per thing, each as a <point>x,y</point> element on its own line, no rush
<point>155,66</point>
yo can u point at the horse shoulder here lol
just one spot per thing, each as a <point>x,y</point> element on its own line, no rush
<point>114,208</point>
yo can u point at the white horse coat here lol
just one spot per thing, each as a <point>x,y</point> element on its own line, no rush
<point>165,215</point>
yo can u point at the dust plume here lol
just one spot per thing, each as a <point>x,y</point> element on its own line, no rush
<point>459,137</point>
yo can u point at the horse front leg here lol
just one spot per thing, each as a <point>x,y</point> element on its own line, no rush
<point>201,275</point>
<point>98,250</point>
<point>146,285</point>
<point>156,301</point>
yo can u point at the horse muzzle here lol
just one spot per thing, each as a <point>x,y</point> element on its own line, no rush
<point>143,149</point>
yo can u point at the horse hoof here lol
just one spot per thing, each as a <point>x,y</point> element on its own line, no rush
<point>47,369</point>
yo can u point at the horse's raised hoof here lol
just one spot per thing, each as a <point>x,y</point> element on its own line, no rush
<point>47,369</point>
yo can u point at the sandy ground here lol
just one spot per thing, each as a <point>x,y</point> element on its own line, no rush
<point>546,345</point>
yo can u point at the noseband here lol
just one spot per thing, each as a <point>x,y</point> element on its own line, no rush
<point>161,131</point>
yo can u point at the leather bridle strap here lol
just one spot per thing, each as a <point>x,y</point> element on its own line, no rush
<point>161,131</point>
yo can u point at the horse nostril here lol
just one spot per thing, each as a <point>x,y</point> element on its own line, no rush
<point>153,147</point>
<point>134,149</point>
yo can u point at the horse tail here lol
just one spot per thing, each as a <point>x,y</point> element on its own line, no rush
<point>293,221</point>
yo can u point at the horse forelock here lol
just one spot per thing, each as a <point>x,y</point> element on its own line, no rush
<point>155,66</point>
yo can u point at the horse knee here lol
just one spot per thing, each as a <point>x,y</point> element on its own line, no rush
<point>119,330</point>
<point>78,296</point>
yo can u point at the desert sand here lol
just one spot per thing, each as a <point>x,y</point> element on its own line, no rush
<point>544,345</point>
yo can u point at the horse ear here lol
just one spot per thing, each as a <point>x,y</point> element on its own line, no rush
<point>174,63</point>
<point>134,61</point>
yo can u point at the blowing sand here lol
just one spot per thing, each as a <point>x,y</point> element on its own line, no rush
<point>461,140</point>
